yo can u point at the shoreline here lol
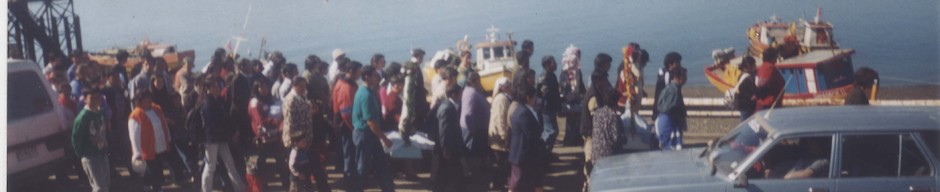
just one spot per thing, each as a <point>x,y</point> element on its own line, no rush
<point>894,92</point>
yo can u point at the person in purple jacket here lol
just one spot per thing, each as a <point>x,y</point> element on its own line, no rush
<point>474,124</point>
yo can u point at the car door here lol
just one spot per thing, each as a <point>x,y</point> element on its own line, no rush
<point>793,154</point>
<point>884,162</point>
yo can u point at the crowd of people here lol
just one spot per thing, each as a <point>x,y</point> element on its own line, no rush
<point>218,126</point>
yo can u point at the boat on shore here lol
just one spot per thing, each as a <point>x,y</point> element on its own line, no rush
<point>495,59</point>
<point>818,73</point>
<point>792,38</point>
<point>168,52</point>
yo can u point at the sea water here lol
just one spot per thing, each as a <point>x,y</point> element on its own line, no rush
<point>899,39</point>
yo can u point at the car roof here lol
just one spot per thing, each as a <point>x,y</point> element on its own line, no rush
<point>15,65</point>
<point>807,120</point>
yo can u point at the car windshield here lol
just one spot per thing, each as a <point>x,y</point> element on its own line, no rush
<point>738,145</point>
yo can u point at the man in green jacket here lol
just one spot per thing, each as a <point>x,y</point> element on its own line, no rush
<point>89,138</point>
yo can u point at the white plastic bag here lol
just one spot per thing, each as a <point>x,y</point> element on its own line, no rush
<point>139,166</point>
<point>419,141</point>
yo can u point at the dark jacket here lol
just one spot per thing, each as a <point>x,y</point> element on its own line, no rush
<point>548,90</point>
<point>450,143</point>
<point>746,91</point>
<point>167,100</point>
<point>856,97</point>
<point>526,145</point>
<point>587,127</point>
<point>572,92</point>
<point>428,123</point>
<point>661,81</point>
<point>215,122</point>
<point>316,91</point>
<point>240,96</point>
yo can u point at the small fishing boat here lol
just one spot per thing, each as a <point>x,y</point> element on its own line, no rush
<point>168,52</point>
<point>495,58</point>
<point>795,37</point>
<point>819,72</point>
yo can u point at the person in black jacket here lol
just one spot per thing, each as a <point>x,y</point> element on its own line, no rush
<point>548,91</point>
<point>599,84</point>
<point>218,135</point>
<point>864,79</point>
<point>598,81</point>
<point>746,88</point>
<point>572,89</point>
<point>447,171</point>
<point>526,147</point>
<point>238,96</point>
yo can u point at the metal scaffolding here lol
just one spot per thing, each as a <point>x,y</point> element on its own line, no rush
<point>52,25</point>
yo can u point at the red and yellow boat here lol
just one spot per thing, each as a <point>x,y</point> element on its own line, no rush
<point>818,73</point>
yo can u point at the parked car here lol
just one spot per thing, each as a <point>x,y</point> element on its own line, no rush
<point>844,148</point>
<point>38,127</point>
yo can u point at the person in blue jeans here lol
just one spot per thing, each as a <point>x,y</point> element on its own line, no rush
<point>368,136</point>
<point>672,113</point>
<point>344,91</point>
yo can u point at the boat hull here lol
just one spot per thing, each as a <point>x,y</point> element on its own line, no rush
<point>489,80</point>
<point>829,96</point>
<point>173,60</point>
<point>717,80</point>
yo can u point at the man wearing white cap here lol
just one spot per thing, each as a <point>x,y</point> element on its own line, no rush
<point>338,56</point>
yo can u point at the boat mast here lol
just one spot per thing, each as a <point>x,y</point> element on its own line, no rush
<point>239,38</point>
<point>492,34</point>
<point>818,14</point>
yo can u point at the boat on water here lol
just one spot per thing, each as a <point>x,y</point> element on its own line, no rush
<point>495,58</point>
<point>795,37</point>
<point>819,73</point>
<point>168,52</point>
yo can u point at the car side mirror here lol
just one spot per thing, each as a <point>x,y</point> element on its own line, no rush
<point>741,181</point>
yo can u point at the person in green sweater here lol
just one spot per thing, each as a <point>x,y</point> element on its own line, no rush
<point>89,138</point>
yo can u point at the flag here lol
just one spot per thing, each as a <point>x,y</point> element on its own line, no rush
<point>228,45</point>
<point>818,14</point>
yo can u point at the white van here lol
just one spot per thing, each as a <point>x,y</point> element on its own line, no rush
<point>38,127</point>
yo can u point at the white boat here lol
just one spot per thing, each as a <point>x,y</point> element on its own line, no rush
<point>495,58</point>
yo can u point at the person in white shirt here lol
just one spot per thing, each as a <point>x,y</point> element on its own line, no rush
<point>339,56</point>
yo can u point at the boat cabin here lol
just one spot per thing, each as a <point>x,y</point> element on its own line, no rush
<point>773,33</point>
<point>818,74</point>
<point>495,58</point>
<point>494,54</point>
<point>817,35</point>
